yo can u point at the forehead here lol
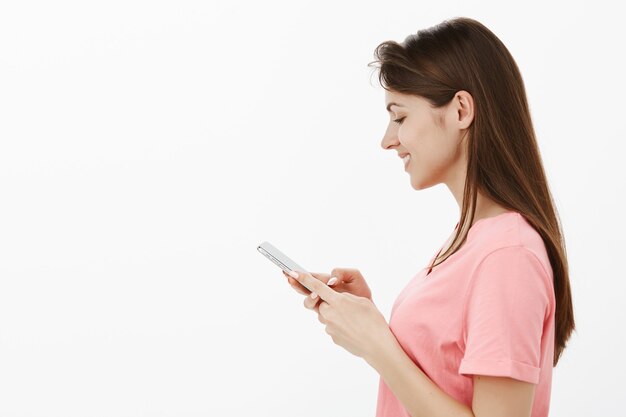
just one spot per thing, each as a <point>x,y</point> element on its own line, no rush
<point>393,96</point>
<point>402,100</point>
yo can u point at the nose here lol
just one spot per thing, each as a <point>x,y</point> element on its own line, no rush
<point>390,137</point>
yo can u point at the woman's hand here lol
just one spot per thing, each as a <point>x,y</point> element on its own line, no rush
<point>349,280</point>
<point>352,321</point>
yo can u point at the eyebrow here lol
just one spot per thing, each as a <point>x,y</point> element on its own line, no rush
<point>393,104</point>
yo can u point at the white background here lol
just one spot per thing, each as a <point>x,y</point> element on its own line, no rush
<point>148,147</point>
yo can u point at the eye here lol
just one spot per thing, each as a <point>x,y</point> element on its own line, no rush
<point>399,121</point>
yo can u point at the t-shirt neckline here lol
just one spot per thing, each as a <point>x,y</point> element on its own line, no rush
<point>472,228</point>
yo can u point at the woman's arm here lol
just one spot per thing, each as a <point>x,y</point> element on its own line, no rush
<point>493,396</point>
<point>496,396</point>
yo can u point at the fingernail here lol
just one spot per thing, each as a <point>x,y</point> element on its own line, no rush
<point>293,274</point>
<point>332,280</point>
<point>314,295</point>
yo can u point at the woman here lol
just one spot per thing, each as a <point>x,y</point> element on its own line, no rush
<point>478,331</point>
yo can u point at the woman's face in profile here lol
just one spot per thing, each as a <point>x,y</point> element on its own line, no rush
<point>428,135</point>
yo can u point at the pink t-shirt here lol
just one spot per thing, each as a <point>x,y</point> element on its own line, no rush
<point>488,309</point>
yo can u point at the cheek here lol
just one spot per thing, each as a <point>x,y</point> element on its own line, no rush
<point>431,150</point>
<point>433,157</point>
<point>413,138</point>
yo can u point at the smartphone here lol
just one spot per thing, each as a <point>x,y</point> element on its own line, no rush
<point>283,261</point>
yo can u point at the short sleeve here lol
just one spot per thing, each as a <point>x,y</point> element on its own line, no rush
<point>506,305</point>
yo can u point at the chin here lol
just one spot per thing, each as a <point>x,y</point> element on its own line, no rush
<point>422,185</point>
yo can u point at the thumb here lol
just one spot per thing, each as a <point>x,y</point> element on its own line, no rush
<point>345,275</point>
<point>326,278</point>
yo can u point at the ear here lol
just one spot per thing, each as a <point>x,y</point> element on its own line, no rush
<point>463,103</point>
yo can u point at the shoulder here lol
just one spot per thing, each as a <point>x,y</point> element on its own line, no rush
<point>508,235</point>
<point>507,250</point>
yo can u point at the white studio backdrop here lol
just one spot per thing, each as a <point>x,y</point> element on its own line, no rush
<point>148,147</point>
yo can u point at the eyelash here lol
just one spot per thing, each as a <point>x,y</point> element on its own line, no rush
<point>399,121</point>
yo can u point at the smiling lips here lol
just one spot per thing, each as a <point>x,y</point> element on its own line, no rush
<point>406,158</point>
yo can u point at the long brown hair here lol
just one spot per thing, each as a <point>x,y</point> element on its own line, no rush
<point>504,163</point>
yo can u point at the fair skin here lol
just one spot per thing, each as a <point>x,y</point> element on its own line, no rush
<point>438,153</point>
<point>435,139</point>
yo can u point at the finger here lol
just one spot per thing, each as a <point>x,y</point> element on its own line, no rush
<point>298,287</point>
<point>314,285</point>
<point>321,276</point>
<point>322,305</point>
<point>315,307</point>
<point>346,275</point>
<point>326,278</point>
<point>310,303</point>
